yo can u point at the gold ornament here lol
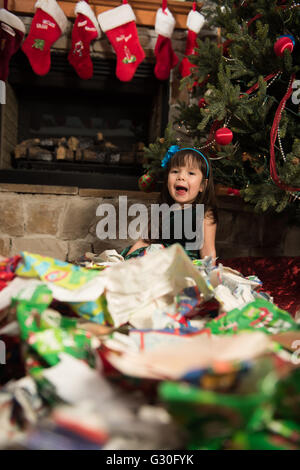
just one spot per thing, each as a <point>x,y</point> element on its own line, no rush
<point>246,156</point>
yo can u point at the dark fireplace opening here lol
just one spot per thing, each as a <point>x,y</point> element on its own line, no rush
<point>90,132</point>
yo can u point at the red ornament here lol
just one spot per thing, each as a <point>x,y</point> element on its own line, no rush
<point>283,43</point>
<point>147,182</point>
<point>202,103</point>
<point>223,136</point>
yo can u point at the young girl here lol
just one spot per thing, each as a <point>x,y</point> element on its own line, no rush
<point>188,181</point>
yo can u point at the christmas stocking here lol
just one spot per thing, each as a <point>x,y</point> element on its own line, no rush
<point>120,28</point>
<point>194,24</point>
<point>85,30</point>
<point>12,31</point>
<point>166,59</point>
<point>47,26</point>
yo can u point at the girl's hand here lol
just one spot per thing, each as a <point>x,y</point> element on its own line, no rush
<point>139,244</point>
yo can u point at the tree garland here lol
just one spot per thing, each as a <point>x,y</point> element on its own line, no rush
<point>273,136</point>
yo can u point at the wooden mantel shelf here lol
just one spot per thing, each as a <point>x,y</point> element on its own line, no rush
<point>145,10</point>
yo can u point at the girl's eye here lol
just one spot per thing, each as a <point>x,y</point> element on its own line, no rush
<point>174,171</point>
<point>192,172</point>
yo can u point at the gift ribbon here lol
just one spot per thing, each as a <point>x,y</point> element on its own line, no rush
<point>5,4</point>
<point>164,6</point>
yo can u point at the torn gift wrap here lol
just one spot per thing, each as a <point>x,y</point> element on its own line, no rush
<point>67,282</point>
<point>47,332</point>
<point>171,362</point>
<point>52,270</point>
<point>259,315</point>
<point>135,291</point>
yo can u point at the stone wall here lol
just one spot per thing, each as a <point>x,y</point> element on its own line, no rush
<point>61,222</point>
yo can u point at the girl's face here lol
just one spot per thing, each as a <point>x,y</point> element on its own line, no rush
<point>185,183</point>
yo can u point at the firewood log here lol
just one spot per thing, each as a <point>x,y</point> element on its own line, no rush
<point>38,153</point>
<point>73,143</point>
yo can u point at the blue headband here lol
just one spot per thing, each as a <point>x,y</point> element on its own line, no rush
<point>174,149</point>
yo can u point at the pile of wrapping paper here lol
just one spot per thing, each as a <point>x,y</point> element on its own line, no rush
<point>157,352</point>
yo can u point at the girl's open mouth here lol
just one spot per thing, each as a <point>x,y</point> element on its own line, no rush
<point>180,190</point>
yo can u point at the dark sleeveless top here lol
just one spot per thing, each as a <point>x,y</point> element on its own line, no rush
<point>182,226</point>
<point>183,230</point>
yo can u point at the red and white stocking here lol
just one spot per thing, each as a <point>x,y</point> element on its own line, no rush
<point>194,23</point>
<point>48,24</point>
<point>85,30</point>
<point>12,31</point>
<point>166,59</point>
<point>120,28</point>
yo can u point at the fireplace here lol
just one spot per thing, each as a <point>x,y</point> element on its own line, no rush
<point>111,121</point>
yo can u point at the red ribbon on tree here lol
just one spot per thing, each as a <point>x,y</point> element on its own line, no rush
<point>213,128</point>
<point>256,17</point>
<point>273,136</point>
<point>254,87</point>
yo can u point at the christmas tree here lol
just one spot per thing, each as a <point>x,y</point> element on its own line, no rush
<point>244,100</point>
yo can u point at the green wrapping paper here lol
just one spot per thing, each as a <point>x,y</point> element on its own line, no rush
<point>261,413</point>
<point>259,315</point>
<point>70,277</point>
<point>47,332</point>
<point>260,441</point>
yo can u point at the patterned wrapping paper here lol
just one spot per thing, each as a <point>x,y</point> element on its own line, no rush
<point>46,331</point>
<point>52,270</point>
<point>202,388</point>
<point>95,311</point>
<point>259,315</point>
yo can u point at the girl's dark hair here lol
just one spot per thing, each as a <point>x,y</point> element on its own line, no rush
<point>191,158</point>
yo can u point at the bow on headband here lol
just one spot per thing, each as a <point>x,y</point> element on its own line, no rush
<point>170,152</point>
